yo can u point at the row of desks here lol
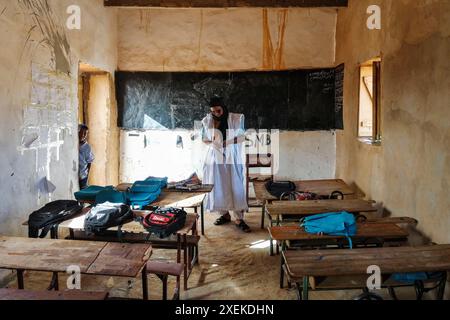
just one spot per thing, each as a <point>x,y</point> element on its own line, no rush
<point>304,266</point>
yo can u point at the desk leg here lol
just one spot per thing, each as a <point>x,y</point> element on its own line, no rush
<point>283,248</point>
<point>305,287</point>
<point>54,284</point>
<point>186,263</point>
<point>202,214</point>
<point>144,283</point>
<point>20,284</point>
<point>263,214</point>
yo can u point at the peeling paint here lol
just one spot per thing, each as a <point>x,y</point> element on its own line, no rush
<point>53,33</point>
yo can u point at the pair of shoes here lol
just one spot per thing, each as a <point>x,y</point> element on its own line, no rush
<point>243,226</point>
<point>223,220</point>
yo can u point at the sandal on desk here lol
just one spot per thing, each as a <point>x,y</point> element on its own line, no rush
<point>243,226</point>
<point>223,220</point>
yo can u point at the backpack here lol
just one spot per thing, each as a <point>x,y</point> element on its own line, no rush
<point>335,224</point>
<point>302,196</point>
<point>91,192</point>
<point>50,215</point>
<point>107,215</point>
<point>278,188</point>
<point>111,196</point>
<point>143,193</point>
<point>164,221</point>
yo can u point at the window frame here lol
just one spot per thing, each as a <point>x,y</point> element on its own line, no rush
<point>376,137</point>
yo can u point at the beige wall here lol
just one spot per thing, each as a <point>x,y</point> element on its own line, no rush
<point>410,172</point>
<point>225,39</point>
<point>39,99</point>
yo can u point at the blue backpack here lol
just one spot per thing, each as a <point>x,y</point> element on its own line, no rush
<point>334,224</point>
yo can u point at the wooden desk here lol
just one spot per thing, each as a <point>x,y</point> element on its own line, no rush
<point>365,232</point>
<point>14,294</point>
<point>134,232</point>
<point>180,199</point>
<point>302,264</point>
<point>95,258</point>
<point>320,187</point>
<point>368,234</point>
<point>311,207</point>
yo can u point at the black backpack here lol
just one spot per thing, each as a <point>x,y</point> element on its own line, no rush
<point>107,215</point>
<point>51,215</point>
<point>278,188</point>
<point>301,196</point>
<point>164,221</point>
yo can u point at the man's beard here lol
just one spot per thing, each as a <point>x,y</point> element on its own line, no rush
<point>218,118</point>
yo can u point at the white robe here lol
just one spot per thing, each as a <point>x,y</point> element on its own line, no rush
<point>225,168</point>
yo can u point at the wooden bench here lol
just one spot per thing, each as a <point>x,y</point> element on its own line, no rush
<point>302,266</point>
<point>163,270</point>
<point>15,294</point>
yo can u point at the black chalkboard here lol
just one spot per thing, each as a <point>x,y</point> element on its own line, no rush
<point>285,100</point>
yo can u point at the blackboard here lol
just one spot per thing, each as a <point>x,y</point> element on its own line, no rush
<point>298,100</point>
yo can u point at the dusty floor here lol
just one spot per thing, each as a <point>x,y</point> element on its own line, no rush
<point>233,266</point>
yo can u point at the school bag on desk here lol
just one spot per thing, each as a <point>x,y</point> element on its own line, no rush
<point>107,215</point>
<point>334,224</point>
<point>304,195</point>
<point>143,193</point>
<point>90,193</point>
<point>50,215</point>
<point>164,222</point>
<point>278,188</point>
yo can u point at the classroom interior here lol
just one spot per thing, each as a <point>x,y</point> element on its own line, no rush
<point>389,140</point>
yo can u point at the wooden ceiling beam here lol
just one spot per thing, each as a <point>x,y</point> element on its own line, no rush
<point>226,3</point>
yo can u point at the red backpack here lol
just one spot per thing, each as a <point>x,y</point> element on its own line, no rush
<point>164,221</point>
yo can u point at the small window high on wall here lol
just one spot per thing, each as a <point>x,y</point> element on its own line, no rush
<point>369,116</point>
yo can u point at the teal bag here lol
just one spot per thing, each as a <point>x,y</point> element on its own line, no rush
<point>143,193</point>
<point>112,196</point>
<point>334,224</point>
<point>91,192</point>
<point>146,187</point>
<point>412,277</point>
<point>155,180</point>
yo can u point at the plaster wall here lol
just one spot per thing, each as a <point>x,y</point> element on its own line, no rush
<point>39,101</point>
<point>410,171</point>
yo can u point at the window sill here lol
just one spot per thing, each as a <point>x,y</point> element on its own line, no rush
<point>370,141</point>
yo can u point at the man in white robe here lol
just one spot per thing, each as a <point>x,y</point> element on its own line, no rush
<point>224,133</point>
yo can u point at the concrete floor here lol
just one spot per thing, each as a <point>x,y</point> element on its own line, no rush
<point>233,266</point>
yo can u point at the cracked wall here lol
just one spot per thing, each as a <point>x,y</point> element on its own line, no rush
<point>38,90</point>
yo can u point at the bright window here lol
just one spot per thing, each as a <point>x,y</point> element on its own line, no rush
<point>369,101</point>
